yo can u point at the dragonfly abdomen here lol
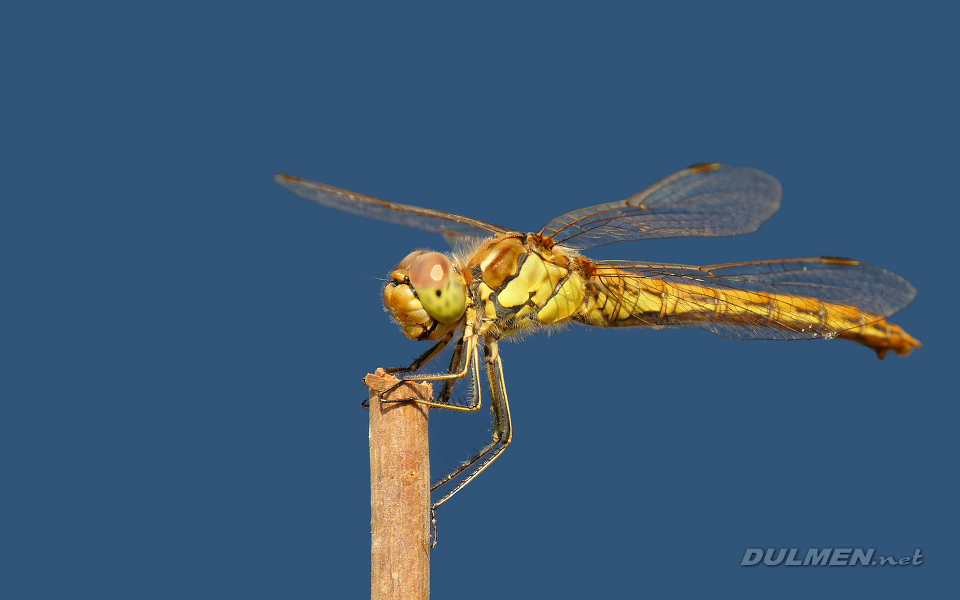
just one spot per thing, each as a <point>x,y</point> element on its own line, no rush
<point>623,299</point>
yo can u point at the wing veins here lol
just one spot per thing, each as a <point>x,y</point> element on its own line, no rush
<point>426,219</point>
<point>705,200</point>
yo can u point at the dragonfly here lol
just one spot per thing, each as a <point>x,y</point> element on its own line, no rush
<point>503,282</point>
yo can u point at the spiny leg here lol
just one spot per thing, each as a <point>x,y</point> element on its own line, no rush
<point>455,363</point>
<point>502,435</point>
<point>470,341</point>
<point>448,385</point>
<point>426,356</point>
<point>502,429</point>
<point>421,360</point>
<point>418,362</point>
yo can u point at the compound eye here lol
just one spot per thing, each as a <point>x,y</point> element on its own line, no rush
<point>430,270</point>
<point>439,289</point>
<point>405,263</point>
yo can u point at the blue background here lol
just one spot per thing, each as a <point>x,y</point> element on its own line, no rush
<point>184,340</point>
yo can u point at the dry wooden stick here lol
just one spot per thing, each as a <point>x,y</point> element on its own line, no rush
<point>399,491</point>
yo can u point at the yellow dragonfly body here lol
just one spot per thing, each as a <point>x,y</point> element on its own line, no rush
<point>508,281</point>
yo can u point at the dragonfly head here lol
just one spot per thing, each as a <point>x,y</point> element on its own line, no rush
<point>426,295</point>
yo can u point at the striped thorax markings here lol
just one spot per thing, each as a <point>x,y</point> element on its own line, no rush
<point>523,282</point>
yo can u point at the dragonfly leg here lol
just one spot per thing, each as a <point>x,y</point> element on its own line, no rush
<point>419,362</point>
<point>470,341</point>
<point>448,385</point>
<point>425,357</point>
<point>502,436</point>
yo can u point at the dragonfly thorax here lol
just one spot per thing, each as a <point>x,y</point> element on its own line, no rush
<point>524,281</point>
<point>426,295</point>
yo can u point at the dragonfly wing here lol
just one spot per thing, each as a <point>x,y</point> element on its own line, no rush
<point>774,299</point>
<point>460,242</point>
<point>712,200</point>
<point>453,226</point>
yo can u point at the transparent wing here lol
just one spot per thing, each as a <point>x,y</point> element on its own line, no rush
<point>712,200</point>
<point>452,226</point>
<point>774,299</point>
